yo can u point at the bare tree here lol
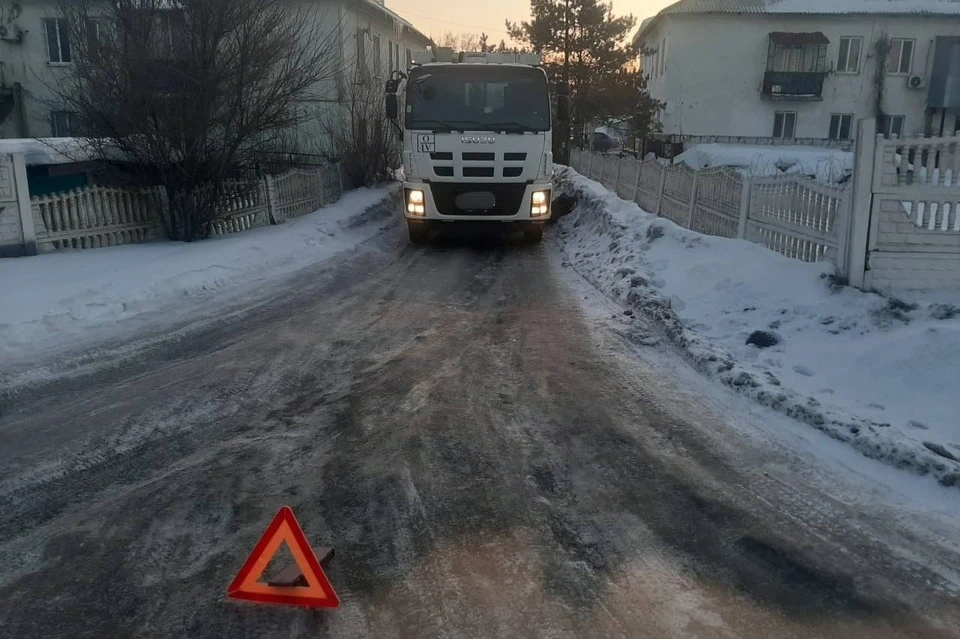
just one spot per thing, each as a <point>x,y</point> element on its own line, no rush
<point>468,42</point>
<point>363,137</point>
<point>186,93</point>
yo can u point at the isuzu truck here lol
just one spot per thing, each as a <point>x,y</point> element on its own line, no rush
<point>477,142</point>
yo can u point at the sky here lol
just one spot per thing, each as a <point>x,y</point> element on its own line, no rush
<point>434,17</point>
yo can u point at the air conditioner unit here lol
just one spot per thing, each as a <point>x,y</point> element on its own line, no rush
<point>916,82</point>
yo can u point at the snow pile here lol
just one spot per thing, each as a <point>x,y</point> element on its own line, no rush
<point>868,370</point>
<point>63,297</point>
<point>827,166</point>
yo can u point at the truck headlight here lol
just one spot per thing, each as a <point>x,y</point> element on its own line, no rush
<point>540,203</point>
<point>415,201</point>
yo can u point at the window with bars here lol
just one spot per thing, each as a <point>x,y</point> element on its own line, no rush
<point>848,58</point>
<point>900,57</point>
<point>841,126</point>
<point>784,124</point>
<point>58,40</point>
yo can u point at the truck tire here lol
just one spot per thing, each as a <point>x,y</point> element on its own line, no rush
<point>533,234</point>
<point>419,233</point>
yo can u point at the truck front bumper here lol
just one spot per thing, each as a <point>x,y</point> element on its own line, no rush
<point>476,202</point>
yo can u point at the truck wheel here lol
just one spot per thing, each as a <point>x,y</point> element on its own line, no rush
<point>419,233</point>
<point>533,234</point>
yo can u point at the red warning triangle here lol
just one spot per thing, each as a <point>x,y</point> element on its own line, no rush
<point>318,593</point>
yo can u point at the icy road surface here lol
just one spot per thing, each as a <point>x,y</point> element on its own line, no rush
<point>487,453</point>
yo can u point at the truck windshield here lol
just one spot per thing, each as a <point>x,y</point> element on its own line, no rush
<point>477,98</point>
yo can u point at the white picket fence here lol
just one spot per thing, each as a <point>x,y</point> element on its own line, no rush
<point>793,215</point>
<point>99,216</point>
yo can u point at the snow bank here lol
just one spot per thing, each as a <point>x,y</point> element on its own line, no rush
<point>57,299</point>
<point>828,166</point>
<point>874,372</point>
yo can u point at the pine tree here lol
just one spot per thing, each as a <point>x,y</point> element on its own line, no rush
<point>587,48</point>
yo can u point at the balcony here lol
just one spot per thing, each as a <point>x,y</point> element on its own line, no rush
<point>791,85</point>
<point>796,66</point>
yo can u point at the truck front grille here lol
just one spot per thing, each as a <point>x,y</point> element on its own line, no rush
<point>506,198</point>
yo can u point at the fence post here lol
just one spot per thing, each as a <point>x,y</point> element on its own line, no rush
<point>271,193</point>
<point>693,200</point>
<point>663,182</point>
<point>603,161</point>
<point>858,226</point>
<point>589,165</point>
<point>23,202</point>
<point>616,182</point>
<point>340,176</point>
<point>320,176</point>
<point>636,184</point>
<point>744,207</point>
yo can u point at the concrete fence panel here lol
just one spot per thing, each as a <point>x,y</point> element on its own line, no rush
<point>95,217</point>
<point>677,193</point>
<point>914,237</point>
<point>627,177</point>
<point>717,208</point>
<point>242,205</point>
<point>796,217</point>
<point>651,181</point>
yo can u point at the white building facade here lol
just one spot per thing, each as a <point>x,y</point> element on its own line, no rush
<point>804,69</point>
<point>35,55</point>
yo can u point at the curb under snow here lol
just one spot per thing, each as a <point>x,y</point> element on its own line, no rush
<point>619,279</point>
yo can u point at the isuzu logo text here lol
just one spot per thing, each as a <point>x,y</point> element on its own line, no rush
<point>478,139</point>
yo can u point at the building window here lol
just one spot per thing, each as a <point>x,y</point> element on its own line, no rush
<point>841,125</point>
<point>784,124</point>
<point>377,56</point>
<point>63,124</point>
<point>900,58</point>
<point>94,27</point>
<point>892,125</point>
<point>663,56</point>
<point>409,58</point>
<point>169,35</point>
<point>390,55</point>
<point>361,53</point>
<point>849,59</point>
<point>396,54</point>
<point>58,40</point>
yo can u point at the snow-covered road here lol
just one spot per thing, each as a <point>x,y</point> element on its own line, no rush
<point>488,445</point>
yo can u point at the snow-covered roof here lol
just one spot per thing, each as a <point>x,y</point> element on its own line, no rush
<point>45,151</point>
<point>398,20</point>
<point>815,7</point>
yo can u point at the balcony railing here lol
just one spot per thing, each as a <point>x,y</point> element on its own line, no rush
<point>789,85</point>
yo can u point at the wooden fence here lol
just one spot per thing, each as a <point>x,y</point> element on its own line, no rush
<point>99,216</point>
<point>793,215</point>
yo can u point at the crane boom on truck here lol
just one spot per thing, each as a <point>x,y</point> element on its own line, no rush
<point>477,141</point>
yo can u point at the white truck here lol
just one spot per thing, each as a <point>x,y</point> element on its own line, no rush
<point>477,142</point>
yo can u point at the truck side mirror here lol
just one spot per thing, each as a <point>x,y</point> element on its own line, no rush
<point>563,108</point>
<point>393,109</point>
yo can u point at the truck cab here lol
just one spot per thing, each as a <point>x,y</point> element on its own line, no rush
<point>477,143</point>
